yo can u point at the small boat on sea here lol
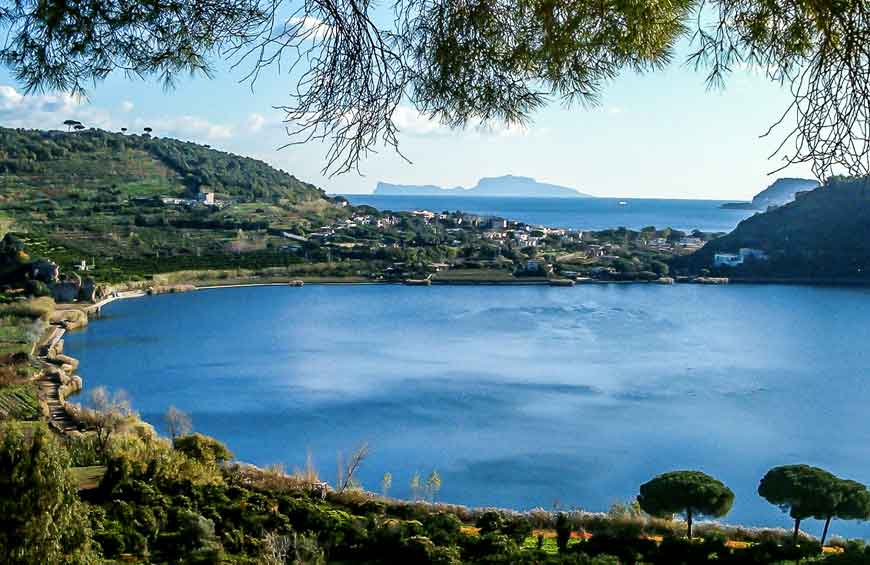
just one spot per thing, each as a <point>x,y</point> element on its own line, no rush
<point>623,203</point>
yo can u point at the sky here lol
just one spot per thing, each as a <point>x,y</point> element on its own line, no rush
<point>660,135</point>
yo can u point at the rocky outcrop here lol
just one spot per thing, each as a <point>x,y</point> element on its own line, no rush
<point>66,289</point>
<point>824,234</point>
<point>44,270</point>
<point>779,193</point>
<point>88,290</point>
<point>170,289</point>
<point>70,318</point>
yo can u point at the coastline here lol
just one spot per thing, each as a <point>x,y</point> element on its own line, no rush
<point>139,289</point>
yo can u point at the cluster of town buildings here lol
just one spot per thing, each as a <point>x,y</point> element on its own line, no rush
<point>495,230</point>
<point>498,230</point>
<point>503,232</point>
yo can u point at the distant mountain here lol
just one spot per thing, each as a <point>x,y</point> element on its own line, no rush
<point>824,234</point>
<point>779,193</point>
<point>508,185</point>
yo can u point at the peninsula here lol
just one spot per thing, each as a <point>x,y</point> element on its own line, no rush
<point>781,192</point>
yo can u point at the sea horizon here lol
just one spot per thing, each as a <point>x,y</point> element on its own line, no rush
<point>578,213</point>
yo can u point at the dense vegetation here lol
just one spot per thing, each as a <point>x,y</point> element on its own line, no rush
<point>97,196</point>
<point>132,207</point>
<point>111,490</point>
<point>43,158</point>
<point>147,499</point>
<point>823,235</point>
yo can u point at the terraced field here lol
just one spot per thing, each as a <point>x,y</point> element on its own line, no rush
<point>19,402</point>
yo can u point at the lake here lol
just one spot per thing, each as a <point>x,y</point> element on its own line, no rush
<point>575,213</point>
<point>519,396</point>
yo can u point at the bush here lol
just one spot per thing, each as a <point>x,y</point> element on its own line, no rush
<point>41,517</point>
<point>518,528</point>
<point>442,528</point>
<point>203,448</point>
<point>84,451</point>
<point>627,550</point>
<point>493,548</point>
<point>37,288</point>
<point>490,522</point>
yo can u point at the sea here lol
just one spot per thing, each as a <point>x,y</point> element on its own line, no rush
<point>575,213</point>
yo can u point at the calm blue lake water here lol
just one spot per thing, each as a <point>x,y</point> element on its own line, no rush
<point>575,213</point>
<point>519,396</point>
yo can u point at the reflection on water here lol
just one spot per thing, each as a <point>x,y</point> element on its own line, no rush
<point>520,396</point>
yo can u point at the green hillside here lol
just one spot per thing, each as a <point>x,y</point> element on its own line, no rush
<point>824,235</point>
<point>97,195</point>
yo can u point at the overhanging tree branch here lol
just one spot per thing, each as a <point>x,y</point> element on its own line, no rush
<point>462,62</point>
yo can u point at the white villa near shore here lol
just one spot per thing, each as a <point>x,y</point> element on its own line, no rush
<point>735,259</point>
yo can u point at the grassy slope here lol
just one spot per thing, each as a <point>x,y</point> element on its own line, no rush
<point>21,325</point>
<point>79,196</point>
<point>19,402</point>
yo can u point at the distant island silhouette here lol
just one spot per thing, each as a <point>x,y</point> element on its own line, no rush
<point>507,185</point>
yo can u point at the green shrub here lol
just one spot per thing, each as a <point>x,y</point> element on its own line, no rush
<point>41,517</point>
<point>490,522</point>
<point>111,539</point>
<point>203,448</point>
<point>493,548</point>
<point>84,451</point>
<point>518,528</point>
<point>442,528</point>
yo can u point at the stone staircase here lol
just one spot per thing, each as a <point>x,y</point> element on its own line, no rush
<point>56,372</point>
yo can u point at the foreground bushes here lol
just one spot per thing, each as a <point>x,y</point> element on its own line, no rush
<point>165,503</point>
<point>41,518</point>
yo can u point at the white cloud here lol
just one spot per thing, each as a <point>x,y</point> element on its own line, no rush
<point>310,27</point>
<point>47,111</point>
<point>412,122</point>
<point>186,127</point>
<point>255,122</point>
<point>9,97</point>
<point>503,130</point>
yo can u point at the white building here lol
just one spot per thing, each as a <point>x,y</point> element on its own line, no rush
<point>727,260</point>
<point>757,254</point>
<point>691,242</point>
<point>735,259</point>
<point>206,196</point>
